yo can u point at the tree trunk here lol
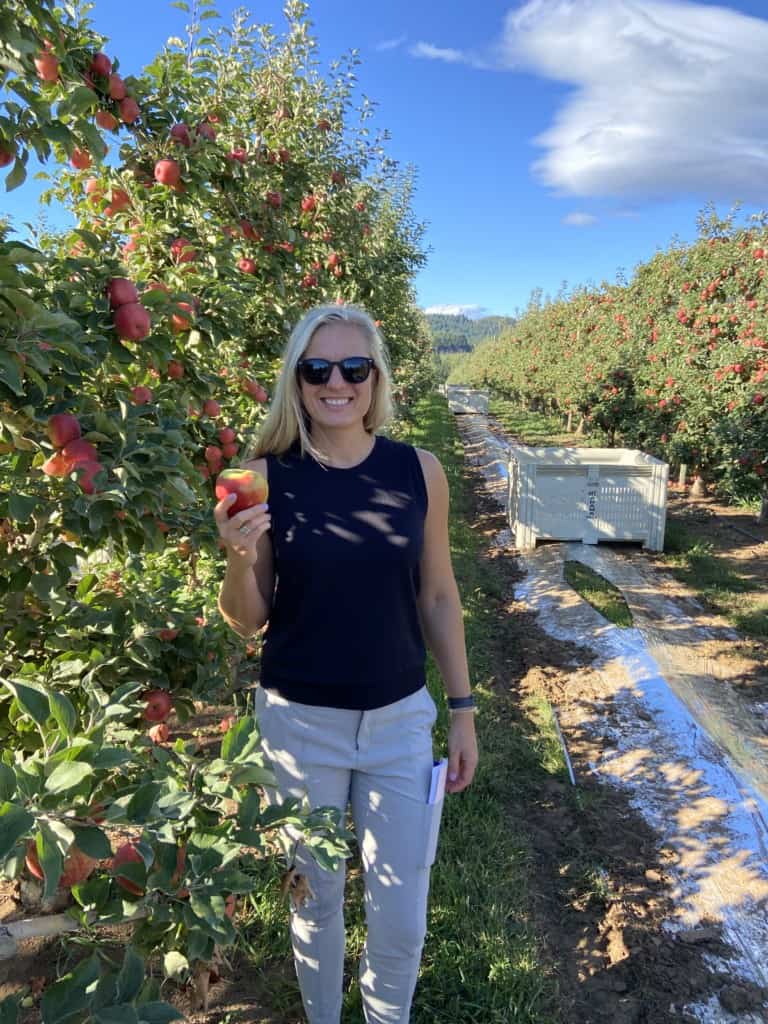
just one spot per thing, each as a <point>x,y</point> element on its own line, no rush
<point>762,519</point>
<point>698,487</point>
<point>569,424</point>
<point>681,477</point>
<point>580,428</point>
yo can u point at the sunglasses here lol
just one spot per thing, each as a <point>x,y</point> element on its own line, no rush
<point>354,369</point>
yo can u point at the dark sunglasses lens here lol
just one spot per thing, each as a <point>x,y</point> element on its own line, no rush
<point>355,370</point>
<point>315,371</point>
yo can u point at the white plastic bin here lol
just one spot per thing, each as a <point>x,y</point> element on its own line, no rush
<point>586,494</point>
<point>466,400</point>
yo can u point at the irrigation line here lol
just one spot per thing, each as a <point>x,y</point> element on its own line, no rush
<point>565,749</point>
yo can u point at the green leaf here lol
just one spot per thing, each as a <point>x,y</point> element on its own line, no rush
<point>67,776</point>
<point>9,1010</point>
<point>87,583</point>
<point>252,775</point>
<point>125,1014</point>
<point>155,1013</point>
<point>21,507</point>
<point>63,711</point>
<point>67,997</point>
<point>140,805</point>
<point>131,976</point>
<point>78,101</point>
<point>7,782</point>
<point>17,176</point>
<point>93,841</point>
<point>176,965</point>
<point>51,859</point>
<point>10,373</point>
<point>14,822</point>
<point>240,740</point>
<point>32,700</point>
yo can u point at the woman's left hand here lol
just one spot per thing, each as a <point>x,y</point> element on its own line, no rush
<point>462,751</point>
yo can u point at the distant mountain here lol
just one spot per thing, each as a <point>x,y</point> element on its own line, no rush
<point>451,333</point>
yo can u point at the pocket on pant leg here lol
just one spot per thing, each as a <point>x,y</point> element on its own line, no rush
<point>433,814</point>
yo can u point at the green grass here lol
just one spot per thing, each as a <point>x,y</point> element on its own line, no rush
<point>483,961</point>
<point>536,428</point>
<point>601,594</point>
<point>720,582</point>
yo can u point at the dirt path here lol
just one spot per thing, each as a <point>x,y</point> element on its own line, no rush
<point>704,836</point>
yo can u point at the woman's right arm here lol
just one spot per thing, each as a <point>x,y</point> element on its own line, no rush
<point>245,597</point>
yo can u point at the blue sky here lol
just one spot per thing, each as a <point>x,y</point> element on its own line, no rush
<point>554,140</point>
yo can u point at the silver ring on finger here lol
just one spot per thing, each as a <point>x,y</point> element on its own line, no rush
<point>245,530</point>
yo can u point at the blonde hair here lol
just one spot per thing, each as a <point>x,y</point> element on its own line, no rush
<point>287,421</point>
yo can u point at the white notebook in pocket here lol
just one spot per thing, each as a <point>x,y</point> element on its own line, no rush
<point>437,782</point>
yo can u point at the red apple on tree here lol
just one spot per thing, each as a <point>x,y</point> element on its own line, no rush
<point>158,705</point>
<point>7,153</point>
<point>141,395</point>
<point>175,369</point>
<point>179,322</point>
<point>76,868</point>
<point>126,854</point>
<point>117,90</point>
<point>79,450</point>
<point>159,733</point>
<point>62,428</point>
<point>129,110</point>
<point>104,119</point>
<point>80,159</point>
<point>211,408</point>
<point>183,251</point>
<point>167,172</point>
<point>121,292</point>
<point>249,487</point>
<point>180,134</point>
<point>246,265</point>
<point>101,65</point>
<point>47,67</point>
<point>227,435</point>
<point>132,321</point>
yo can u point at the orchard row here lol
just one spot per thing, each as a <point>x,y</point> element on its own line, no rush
<point>675,362</point>
<point>214,198</point>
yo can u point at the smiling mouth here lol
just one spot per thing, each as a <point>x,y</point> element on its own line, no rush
<point>336,403</point>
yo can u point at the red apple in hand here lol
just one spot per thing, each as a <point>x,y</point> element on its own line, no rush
<point>62,428</point>
<point>250,489</point>
<point>158,705</point>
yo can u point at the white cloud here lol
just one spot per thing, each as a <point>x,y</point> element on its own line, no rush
<point>472,312</point>
<point>390,44</point>
<point>578,219</point>
<point>668,96</point>
<point>439,53</point>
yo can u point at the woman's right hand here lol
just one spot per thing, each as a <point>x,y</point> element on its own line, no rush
<point>241,533</point>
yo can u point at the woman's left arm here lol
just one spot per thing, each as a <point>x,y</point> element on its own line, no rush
<point>443,622</point>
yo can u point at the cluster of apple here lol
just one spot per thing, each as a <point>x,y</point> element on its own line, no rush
<point>132,320</point>
<point>73,453</point>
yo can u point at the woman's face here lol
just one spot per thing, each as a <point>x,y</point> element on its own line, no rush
<point>337,404</point>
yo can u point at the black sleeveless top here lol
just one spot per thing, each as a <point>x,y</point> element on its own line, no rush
<point>344,629</point>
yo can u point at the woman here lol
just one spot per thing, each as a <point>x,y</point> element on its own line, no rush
<point>349,566</point>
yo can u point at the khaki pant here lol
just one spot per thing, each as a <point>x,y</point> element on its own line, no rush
<point>380,762</point>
